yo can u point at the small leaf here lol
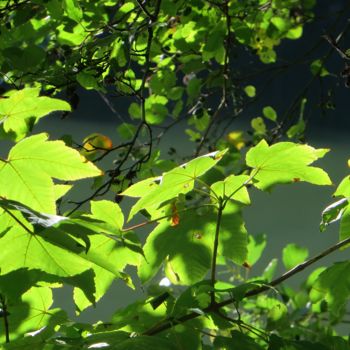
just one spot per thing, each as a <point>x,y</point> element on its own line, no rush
<point>95,144</point>
<point>73,10</point>
<point>250,91</point>
<point>259,126</point>
<point>293,255</point>
<point>317,68</point>
<point>270,113</point>
<point>256,246</point>
<point>237,139</point>
<point>333,213</point>
<point>270,270</point>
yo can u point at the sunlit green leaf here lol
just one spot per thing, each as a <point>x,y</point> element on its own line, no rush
<point>178,180</point>
<point>32,163</point>
<point>285,162</point>
<point>332,285</point>
<point>176,245</point>
<point>17,107</point>
<point>293,255</point>
<point>233,187</point>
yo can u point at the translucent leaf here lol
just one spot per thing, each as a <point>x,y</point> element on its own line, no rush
<point>333,285</point>
<point>293,255</point>
<point>143,187</point>
<point>123,251</point>
<point>54,252</point>
<point>256,246</point>
<point>17,107</point>
<point>31,165</point>
<point>237,341</point>
<point>285,162</point>
<point>343,188</point>
<point>32,313</point>
<point>178,180</point>
<point>270,270</point>
<point>143,342</point>
<point>73,10</point>
<point>344,230</point>
<point>187,247</point>
<point>232,187</point>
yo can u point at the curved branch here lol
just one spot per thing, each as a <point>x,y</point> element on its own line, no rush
<point>214,308</point>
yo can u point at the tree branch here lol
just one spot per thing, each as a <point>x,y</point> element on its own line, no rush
<point>215,250</point>
<point>4,315</point>
<point>214,308</point>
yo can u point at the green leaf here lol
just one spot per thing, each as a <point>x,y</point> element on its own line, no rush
<point>32,216</point>
<point>333,213</point>
<point>73,10</point>
<point>259,126</point>
<point>333,285</point>
<point>285,162</point>
<point>256,246</point>
<point>270,270</point>
<point>178,180</point>
<point>122,252</point>
<point>32,313</point>
<point>293,255</point>
<point>296,130</point>
<point>250,91</point>
<point>17,107</point>
<point>270,113</point>
<point>187,247</point>
<point>237,341</point>
<point>139,316</point>
<point>143,342</point>
<point>317,68</point>
<point>233,187</point>
<point>126,131</point>
<point>343,188</point>
<point>87,81</point>
<point>32,163</point>
<point>344,230</point>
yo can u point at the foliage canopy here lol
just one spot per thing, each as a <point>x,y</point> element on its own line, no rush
<point>171,62</point>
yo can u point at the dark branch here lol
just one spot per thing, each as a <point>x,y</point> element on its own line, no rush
<point>214,308</point>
